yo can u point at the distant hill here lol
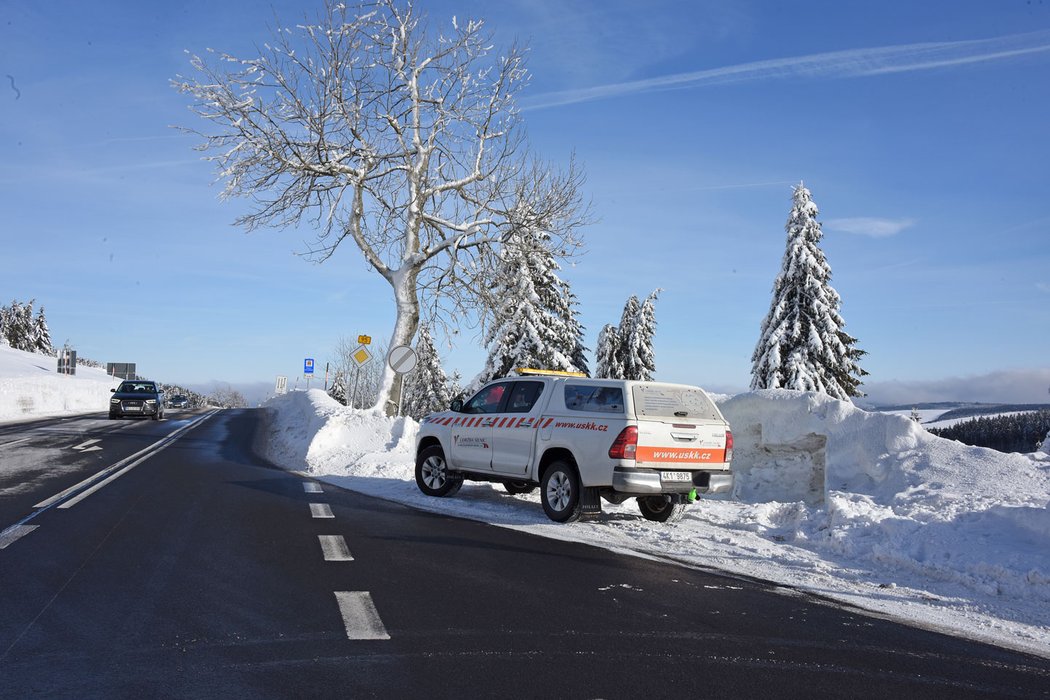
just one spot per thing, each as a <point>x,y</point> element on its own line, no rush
<point>954,410</point>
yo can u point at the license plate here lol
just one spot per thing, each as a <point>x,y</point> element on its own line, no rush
<point>676,476</point>
<point>133,408</point>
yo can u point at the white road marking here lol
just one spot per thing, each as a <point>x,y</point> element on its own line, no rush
<point>87,446</point>
<point>321,510</point>
<point>15,442</point>
<point>312,487</point>
<point>360,616</point>
<point>15,532</point>
<point>334,548</point>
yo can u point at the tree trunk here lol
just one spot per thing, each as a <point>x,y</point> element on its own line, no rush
<point>405,296</point>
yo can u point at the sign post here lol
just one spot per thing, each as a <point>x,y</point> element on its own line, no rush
<point>361,357</point>
<point>308,370</point>
<point>282,385</point>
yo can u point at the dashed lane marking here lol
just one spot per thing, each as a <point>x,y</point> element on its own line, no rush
<point>15,532</point>
<point>334,548</point>
<point>312,487</point>
<point>321,510</point>
<point>360,616</point>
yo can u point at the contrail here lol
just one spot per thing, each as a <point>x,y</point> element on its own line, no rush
<point>851,63</point>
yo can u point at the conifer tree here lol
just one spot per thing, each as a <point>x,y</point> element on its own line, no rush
<point>607,364</point>
<point>42,335</point>
<point>427,386</point>
<point>534,319</point>
<point>338,390</point>
<point>639,341</point>
<point>624,358</point>
<point>626,351</point>
<point>802,345</point>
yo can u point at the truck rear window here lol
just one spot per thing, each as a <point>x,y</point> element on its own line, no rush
<point>674,402</point>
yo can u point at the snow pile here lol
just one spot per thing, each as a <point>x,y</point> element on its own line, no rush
<point>308,431</point>
<point>879,489</point>
<point>866,508</point>
<point>30,386</point>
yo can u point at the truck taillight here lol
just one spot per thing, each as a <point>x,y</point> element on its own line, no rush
<point>729,445</point>
<point>626,444</point>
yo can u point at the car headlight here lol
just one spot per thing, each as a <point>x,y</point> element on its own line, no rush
<point>151,401</point>
<point>114,401</point>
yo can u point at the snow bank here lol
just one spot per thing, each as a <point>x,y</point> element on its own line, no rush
<point>866,508</point>
<point>30,386</point>
<point>878,488</point>
<point>309,431</point>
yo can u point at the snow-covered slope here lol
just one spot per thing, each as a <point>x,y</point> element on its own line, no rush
<point>30,386</point>
<point>864,507</point>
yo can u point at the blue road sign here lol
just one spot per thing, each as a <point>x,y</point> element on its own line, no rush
<point>308,365</point>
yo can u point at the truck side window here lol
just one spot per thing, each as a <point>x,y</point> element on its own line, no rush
<point>487,400</point>
<point>594,399</point>
<point>523,396</point>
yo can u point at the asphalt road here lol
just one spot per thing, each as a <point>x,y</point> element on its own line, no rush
<point>178,564</point>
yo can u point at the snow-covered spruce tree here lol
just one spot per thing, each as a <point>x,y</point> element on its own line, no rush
<point>802,345</point>
<point>426,388</point>
<point>607,363</point>
<point>570,313</point>
<point>401,138</point>
<point>19,329</point>
<point>624,360</point>
<point>338,389</point>
<point>42,335</point>
<point>637,341</point>
<point>533,321</point>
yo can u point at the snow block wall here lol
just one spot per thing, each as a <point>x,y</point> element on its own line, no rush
<point>792,446</point>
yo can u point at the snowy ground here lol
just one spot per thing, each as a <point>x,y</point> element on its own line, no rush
<point>864,508</point>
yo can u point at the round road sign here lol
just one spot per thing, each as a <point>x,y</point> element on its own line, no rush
<point>402,359</point>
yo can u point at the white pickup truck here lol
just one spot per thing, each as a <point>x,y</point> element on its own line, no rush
<point>581,440</point>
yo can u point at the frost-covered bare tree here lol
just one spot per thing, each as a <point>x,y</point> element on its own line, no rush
<point>375,128</point>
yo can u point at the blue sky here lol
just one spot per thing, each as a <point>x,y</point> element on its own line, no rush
<point>920,128</point>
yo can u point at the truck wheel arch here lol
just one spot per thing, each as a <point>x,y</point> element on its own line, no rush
<point>552,455</point>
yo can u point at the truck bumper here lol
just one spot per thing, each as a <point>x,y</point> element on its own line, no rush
<point>647,481</point>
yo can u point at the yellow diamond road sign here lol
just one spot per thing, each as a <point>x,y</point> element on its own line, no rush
<point>361,355</point>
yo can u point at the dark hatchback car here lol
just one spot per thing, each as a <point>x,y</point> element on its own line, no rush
<point>137,398</point>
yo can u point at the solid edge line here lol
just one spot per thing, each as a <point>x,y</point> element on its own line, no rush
<point>360,617</point>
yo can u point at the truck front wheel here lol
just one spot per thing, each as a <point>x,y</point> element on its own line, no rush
<point>560,493</point>
<point>660,509</point>
<point>432,474</point>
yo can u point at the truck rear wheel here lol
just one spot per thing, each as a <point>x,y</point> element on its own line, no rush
<point>560,493</point>
<point>660,509</point>
<point>432,475</point>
